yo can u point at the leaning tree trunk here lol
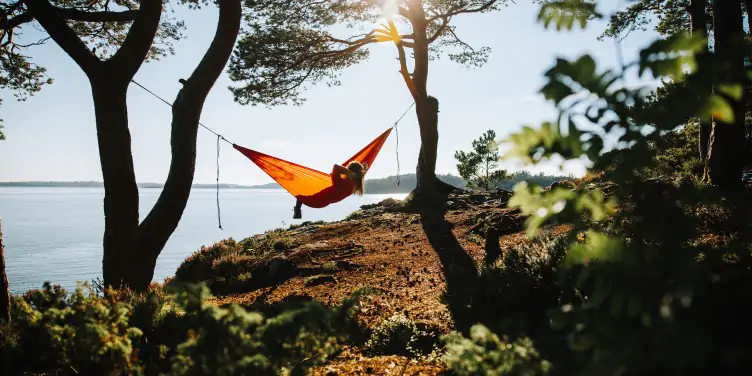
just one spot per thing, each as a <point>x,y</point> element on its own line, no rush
<point>727,142</point>
<point>4,288</point>
<point>166,213</point>
<point>699,25</point>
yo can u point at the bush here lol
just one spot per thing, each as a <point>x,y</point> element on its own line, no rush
<point>485,354</point>
<point>76,333</point>
<point>229,266</point>
<point>398,335</point>
<point>231,341</point>
<point>515,292</point>
<point>124,333</point>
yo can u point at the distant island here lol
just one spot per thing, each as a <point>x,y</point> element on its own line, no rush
<point>388,184</point>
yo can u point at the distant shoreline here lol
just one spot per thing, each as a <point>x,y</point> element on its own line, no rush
<point>94,184</point>
<point>387,185</point>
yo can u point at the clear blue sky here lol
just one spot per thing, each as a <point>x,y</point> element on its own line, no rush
<point>52,135</point>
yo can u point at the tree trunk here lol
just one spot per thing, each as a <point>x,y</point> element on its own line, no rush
<point>164,217</point>
<point>727,142</point>
<point>120,189</point>
<point>130,249</point>
<point>426,109</point>
<point>4,287</point>
<point>699,25</point>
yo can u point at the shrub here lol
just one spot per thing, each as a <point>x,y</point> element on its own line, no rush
<point>229,266</point>
<point>485,354</point>
<point>231,341</point>
<point>516,291</point>
<point>79,333</point>
<point>398,335</point>
<point>124,333</point>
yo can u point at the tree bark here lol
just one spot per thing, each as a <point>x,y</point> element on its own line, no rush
<point>727,142</point>
<point>164,217</point>
<point>120,189</point>
<point>4,287</point>
<point>426,109</point>
<point>699,25</point>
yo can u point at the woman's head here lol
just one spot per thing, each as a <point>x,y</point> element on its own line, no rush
<point>359,170</point>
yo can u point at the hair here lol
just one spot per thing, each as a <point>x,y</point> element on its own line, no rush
<point>360,171</point>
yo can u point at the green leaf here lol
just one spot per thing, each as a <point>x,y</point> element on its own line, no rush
<point>565,13</point>
<point>598,246</point>
<point>719,108</point>
<point>734,91</point>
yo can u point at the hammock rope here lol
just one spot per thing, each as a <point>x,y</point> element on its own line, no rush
<point>220,137</point>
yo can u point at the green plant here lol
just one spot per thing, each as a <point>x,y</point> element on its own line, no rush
<point>231,341</point>
<point>650,303</point>
<point>122,332</point>
<point>80,333</point>
<point>398,335</point>
<point>484,353</point>
<point>515,292</point>
<point>256,259</point>
<point>479,167</point>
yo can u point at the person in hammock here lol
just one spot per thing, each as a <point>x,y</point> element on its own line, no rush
<point>354,172</point>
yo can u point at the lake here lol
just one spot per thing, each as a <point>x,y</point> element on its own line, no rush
<point>55,234</point>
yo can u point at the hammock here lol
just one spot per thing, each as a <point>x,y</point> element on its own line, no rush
<point>311,187</point>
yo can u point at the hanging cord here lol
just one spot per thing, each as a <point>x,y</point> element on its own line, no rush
<point>219,216</point>
<point>222,138</point>
<point>396,133</point>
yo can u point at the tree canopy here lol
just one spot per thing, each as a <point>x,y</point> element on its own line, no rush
<point>102,26</point>
<point>288,46</point>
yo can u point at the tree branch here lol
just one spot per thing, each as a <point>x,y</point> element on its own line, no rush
<point>404,72</point>
<point>138,41</point>
<point>8,24</point>
<point>463,11</point>
<point>437,34</point>
<point>105,16</point>
<point>460,41</point>
<point>62,34</point>
<point>164,217</point>
<point>404,12</point>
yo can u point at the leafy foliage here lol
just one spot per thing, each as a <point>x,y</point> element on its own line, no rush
<point>156,333</point>
<point>101,24</point>
<point>479,167</point>
<point>230,266</point>
<point>650,269</point>
<point>289,46</point>
<point>398,335</point>
<point>671,15</point>
<point>484,353</point>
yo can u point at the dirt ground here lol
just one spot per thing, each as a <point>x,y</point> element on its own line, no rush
<point>389,252</point>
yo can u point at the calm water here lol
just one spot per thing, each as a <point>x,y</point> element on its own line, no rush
<point>55,234</point>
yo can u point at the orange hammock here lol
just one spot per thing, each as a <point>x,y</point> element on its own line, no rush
<point>311,187</point>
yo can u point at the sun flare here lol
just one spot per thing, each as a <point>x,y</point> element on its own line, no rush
<point>389,9</point>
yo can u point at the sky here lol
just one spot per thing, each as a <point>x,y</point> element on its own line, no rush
<point>52,136</point>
